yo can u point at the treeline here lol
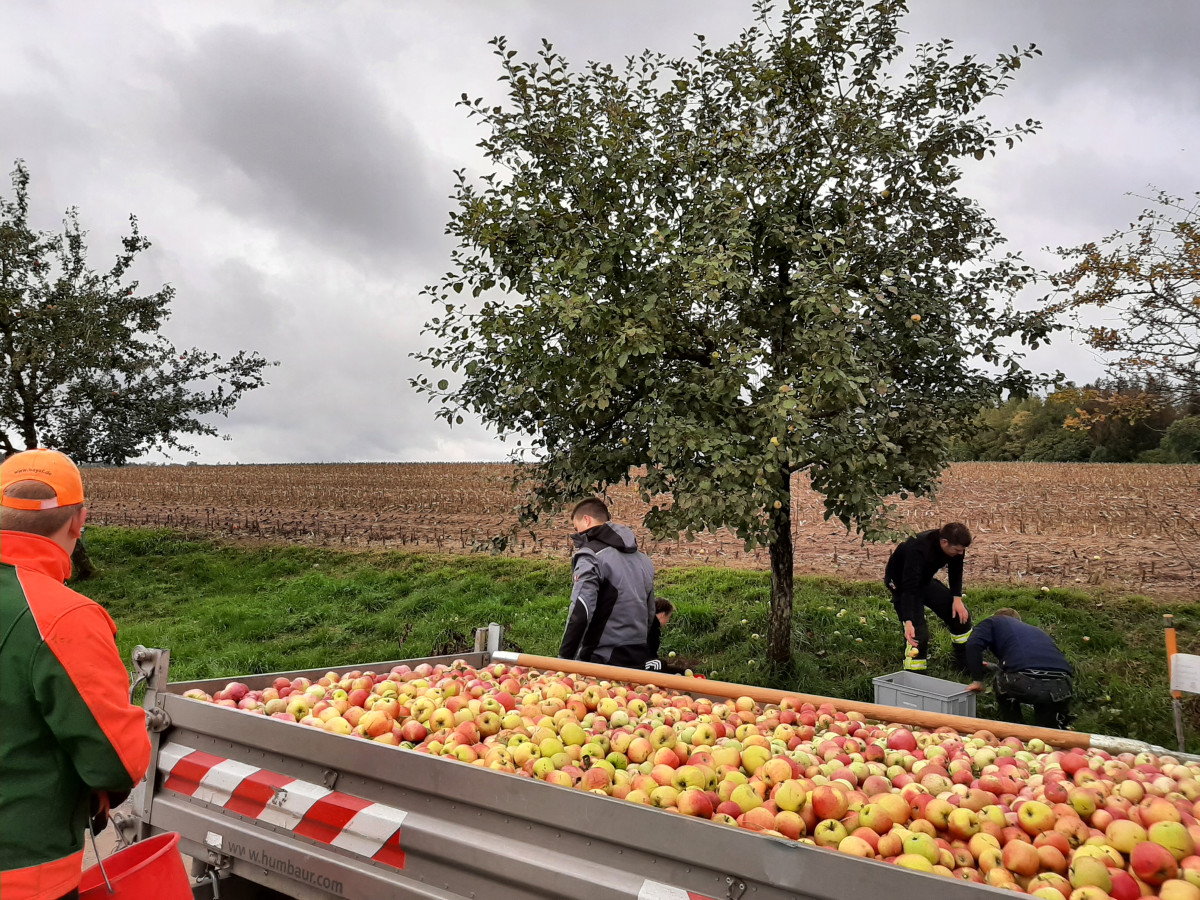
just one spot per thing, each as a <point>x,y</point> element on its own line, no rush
<point>1110,421</point>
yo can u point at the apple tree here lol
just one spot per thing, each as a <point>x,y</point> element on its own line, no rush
<point>84,367</point>
<point>711,276</point>
<point>1146,280</point>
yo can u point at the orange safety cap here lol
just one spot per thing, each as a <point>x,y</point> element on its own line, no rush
<point>51,468</point>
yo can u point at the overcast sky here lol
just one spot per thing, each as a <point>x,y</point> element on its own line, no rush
<point>291,163</point>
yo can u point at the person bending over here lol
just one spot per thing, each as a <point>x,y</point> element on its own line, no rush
<point>909,577</point>
<point>1032,669</point>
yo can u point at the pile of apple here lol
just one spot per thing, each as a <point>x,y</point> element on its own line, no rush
<point>1061,825</point>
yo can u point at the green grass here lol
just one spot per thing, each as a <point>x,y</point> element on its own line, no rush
<point>231,610</point>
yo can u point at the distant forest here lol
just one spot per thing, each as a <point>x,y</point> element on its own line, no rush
<point>1109,421</point>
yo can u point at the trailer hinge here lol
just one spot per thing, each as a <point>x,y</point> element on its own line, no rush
<point>329,778</point>
<point>734,889</point>
<point>157,720</point>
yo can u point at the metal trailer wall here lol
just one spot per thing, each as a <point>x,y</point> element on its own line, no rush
<point>465,831</point>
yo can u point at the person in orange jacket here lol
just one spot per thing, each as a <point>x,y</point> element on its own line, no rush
<point>69,736</point>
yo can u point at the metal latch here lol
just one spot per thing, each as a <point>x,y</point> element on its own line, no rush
<point>217,862</point>
<point>214,878</point>
<point>217,859</point>
<point>215,865</point>
<point>734,888</point>
<point>144,662</point>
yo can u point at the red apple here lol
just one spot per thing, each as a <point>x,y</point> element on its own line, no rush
<point>1021,858</point>
<point>1153,863</point>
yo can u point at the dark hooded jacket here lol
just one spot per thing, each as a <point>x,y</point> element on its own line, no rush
<point>1019,646</point>
<point>911,568</point>
<point>612,602</point>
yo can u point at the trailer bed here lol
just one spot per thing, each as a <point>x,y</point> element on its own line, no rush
<point>266,806</point>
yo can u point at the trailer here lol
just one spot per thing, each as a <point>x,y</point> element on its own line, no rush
<point>267,809</point>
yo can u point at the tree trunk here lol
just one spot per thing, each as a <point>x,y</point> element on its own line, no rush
<point>28,425</point>
<point>81,565</point>
<point>779,628</point>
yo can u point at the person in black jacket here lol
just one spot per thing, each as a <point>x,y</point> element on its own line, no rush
<point>1032,669</point>
<point>663,610</point>
<point>612,602</point>
<point>910,578</point>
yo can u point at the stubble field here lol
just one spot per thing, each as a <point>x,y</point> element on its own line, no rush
<point>1133,527</point>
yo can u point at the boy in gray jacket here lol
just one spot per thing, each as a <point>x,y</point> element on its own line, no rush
<point>612,601</point>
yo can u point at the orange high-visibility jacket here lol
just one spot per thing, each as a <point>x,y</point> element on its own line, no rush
<point>66,725</point>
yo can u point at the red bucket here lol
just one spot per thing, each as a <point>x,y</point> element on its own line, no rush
<point>148,870</point>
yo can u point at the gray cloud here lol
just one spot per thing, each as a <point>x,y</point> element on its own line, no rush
<point>341,391</point>
<point>291,163</point>
<point>294,136</point>
<point>1091,40</point>
<point>37,112</point>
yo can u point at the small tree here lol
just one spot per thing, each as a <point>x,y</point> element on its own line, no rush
<point>1149,276</point>
<point>1181,443</point>
<point>707,275</point>
<point>85,369</point>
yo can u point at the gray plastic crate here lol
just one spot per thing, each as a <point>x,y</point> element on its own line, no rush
<point>915,691</point>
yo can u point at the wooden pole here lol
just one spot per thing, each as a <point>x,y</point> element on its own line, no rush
<point>1172,649</point>
<point>1176,696</point>
<point>919,718</point>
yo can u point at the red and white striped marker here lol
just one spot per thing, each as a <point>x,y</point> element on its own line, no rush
<point>370,830</point>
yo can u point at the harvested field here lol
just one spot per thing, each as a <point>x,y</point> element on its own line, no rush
<point>1136,527</point>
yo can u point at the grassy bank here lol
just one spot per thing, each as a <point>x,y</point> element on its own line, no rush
<point>226,611</point>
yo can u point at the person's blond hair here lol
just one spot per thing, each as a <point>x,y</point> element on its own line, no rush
<point>1008,612</point>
